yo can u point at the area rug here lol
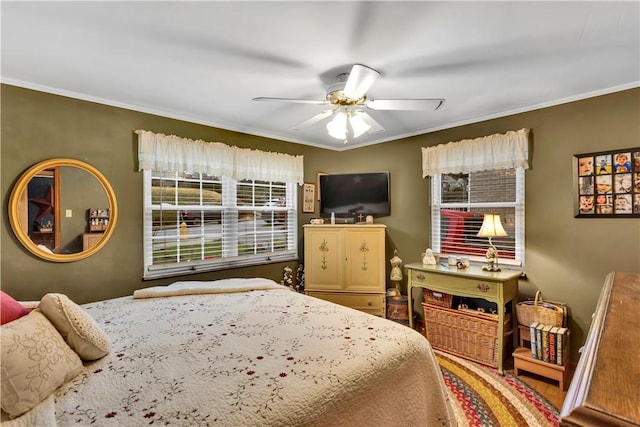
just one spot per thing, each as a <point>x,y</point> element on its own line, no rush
<point>483,398</point>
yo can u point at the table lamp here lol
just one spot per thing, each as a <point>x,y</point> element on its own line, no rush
<point>491,227</point>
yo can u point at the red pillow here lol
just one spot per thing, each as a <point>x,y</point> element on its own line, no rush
<point>10,309</point>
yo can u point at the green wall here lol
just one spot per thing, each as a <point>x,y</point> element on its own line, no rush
<point>566,258</point>
<point>81,191</point>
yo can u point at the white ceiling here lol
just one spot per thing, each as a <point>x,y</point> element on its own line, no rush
<point>204,61</point>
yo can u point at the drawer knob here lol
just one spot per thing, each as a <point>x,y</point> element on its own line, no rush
<point>369,303</point>
<point>483,287</point>
<point>420,277</point>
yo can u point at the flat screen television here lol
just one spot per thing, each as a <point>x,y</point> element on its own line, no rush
<point>349,195</point>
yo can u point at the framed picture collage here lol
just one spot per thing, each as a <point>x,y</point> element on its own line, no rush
<point>608,184</point>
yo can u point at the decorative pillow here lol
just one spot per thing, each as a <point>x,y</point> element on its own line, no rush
<point>77,327</point>
<point>10,309</point>
<point>35,362</point>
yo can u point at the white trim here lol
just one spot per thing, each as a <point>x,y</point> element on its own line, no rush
<point>159,274</point>
<point>341,146</point>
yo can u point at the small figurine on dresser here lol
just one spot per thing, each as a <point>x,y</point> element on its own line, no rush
<point>429,258</point>
<point>492,259</point>
<point>462,263</point>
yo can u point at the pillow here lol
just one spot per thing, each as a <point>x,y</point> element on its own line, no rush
<point>77,327</point>
<point>45,249</point>
<point>10,309</point>
<point>35,362</point>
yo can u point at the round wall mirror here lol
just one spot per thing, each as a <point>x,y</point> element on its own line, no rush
<point>63,210</point>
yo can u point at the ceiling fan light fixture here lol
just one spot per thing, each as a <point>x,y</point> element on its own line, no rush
<point>347,123</point>
<point>358,125</point>
<point>337,127</point>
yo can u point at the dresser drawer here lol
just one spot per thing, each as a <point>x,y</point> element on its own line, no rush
<point>455,284</point>
<point>370,303</point>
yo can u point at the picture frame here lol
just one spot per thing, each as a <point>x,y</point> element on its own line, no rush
<point>308,197</point>
<point>607,184</point>
<point>318,175</point>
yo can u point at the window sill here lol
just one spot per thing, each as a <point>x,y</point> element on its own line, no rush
<point>197,269</point>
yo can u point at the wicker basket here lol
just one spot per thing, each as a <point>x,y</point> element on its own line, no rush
<point>541,311</point>
<point>437,298</point>
<point>469,334</point>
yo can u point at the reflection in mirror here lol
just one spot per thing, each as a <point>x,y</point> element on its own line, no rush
<point>42,197</point>
<point>63,210</point>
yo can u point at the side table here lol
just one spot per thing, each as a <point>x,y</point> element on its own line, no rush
<point>473,282</point>
<point>522,360</point>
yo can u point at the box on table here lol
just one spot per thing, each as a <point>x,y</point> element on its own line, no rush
<point>437,298</point>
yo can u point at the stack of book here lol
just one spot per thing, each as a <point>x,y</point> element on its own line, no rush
<point>549,343</point>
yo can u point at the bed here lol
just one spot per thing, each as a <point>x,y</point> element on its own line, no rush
<point>246,352</point>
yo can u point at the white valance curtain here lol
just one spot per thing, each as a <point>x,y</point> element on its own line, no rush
<point>267,166</point>
<point>172,153</point>
<point>498,151</point>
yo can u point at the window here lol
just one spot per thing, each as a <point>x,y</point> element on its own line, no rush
<point>201,222</point>
<point>470,178</point>
<point>459,202</point>
<point>235,207</point>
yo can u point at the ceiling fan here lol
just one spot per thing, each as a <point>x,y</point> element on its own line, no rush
<point>348,100</point>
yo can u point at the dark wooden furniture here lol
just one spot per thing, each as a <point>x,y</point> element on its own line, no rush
<point>98,220</point>
<point>45,238</point>
<point>605,389</point>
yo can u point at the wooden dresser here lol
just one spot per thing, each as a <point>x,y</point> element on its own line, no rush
<point>605,390</point>
<point>345,264</point>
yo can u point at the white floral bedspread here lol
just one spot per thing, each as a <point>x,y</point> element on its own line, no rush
<point>250,358</point>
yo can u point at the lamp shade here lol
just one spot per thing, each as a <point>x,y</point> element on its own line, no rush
<point>358,125</point>
<point>491,226</point>
<point>337,127</point>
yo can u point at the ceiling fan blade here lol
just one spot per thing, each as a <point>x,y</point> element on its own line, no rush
<point>360,80</point>
<point>375,126</point>
<point>405,104</point>
<point>314,119</point>
<point>292,100</point>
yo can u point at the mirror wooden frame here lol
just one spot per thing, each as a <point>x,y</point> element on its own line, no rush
<point>21,186</point>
